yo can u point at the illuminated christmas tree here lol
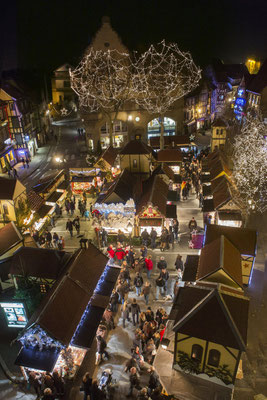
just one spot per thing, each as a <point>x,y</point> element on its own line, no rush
<point>102,81</point>
<point>162,75</point>
<point>250,165</point>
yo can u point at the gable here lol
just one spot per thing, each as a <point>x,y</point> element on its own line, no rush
<point>221,276</point>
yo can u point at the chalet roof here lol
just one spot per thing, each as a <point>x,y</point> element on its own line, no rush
<point>259,81</point>
<point>245,240</point>
<point>190,268</point>
<point>217,167</point>
<point>109,155</point>
<point>211,313</point>
<point>156,193</point>
<point>35,200</point>
<point>164,170</point>
<point>60,313</point>
<point>169,141</point>
<point>220,254</point>
<point>136,147</point>
<point>38,263</point>
<point>9,237</point>
<point>123,186</point>
<point>220,123</point>
<point>221,192</point>
<point>170,155</point>
<point>8,187</point>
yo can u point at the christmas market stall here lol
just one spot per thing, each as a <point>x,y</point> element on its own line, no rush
<point>245,240</point>
<point>60,332</point>
<point>85,179</point>
<point>106,162</point>
<point>152,209</point>
<point>173,157</point>
<point>115,205</point>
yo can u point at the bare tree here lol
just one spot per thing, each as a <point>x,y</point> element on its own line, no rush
<point>250,165</point>
<point>162,75</point>
<point>102,82</point>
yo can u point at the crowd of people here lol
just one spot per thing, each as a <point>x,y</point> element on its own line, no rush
<point>47,386</point>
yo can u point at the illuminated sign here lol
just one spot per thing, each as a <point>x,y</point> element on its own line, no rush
<point>15,314</point>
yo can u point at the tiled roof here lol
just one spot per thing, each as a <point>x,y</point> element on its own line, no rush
<point>35,200</point>
<point>123,186</point>
<point>109,155</point>
<point>177,140</point>
<point>170,155</point>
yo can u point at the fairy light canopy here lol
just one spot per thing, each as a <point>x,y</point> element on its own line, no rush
<point>162,75</point>
<point>250,165</point>
<point>102,80</point>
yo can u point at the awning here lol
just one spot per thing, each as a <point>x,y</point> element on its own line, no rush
<point>190,268</point>
<point>171,211</point>
<point>208,205</point>
<point>229,216</point>
<point>44,210</point>
<point>43,360</point>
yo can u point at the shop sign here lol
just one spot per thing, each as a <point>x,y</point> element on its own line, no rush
<point>150,222</point>
<point>15,314</point>
<point>150,212</point>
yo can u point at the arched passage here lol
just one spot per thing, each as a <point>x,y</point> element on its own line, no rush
<point>153,127</point>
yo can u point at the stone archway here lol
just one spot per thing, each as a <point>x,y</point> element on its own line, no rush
<point>153,127</point>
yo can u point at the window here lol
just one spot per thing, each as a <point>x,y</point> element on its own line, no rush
<point>5,209</point>
<point>134,163</point>
<point>214,358</point>
<point>197,352</point>
<point>66,84</point>
<point>221,131</point>
<point>217,131</point>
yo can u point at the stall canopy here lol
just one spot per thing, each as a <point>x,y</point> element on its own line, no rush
<point>39,263</point>
<point>73,308</point>
<point>245,240</point>
<point>120,190</point>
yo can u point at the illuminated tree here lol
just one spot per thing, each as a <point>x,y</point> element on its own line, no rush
<point>162,75</point>
<point>250,165</point>
<point>102,81</point>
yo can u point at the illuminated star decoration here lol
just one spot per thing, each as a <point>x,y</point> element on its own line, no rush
<point>192,138</point>
<point>250,165</point>
<point>64,111</point>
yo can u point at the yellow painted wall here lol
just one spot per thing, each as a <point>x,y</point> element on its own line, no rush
<point>223,278</point>
<point>11,216</point>
<point>225,358</point>
<point>246,263</point>
<point>186,346</point>
<point>218,140</point>
<point>143,163</point>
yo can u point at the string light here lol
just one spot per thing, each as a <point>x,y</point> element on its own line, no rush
<point>250,165</point>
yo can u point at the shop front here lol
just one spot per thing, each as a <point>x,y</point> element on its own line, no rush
<point>83,179</point>
<point>151,218</point>
<point>60,333</point>
<point>7,159</point>
<point>32,146</point>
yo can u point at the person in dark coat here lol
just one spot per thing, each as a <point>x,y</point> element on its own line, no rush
<point>96,393</point>
<point>165,276</point>
<point>77,225</point>
<point>138,283</point>
<point>179,263</point>
<point>171,237</point>
<point>86,386</point>
<point>153,380</point>
<point>145,237</point>
<point>69,227</point>
<point>134,381</point>
<point>101,347</point>
<point>72,207</point>
<point>135,310</point>
<point>175,228</point>
<point>192,224</point>
<point>114,300</point>
<point>153,237</point>
<point>162,263</point>
<point>59,384</point>
<point>35,382</point>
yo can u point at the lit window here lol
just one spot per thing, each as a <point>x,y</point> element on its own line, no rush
<point>134,163</point>
<point>214,358</point>
<point>197,352</point>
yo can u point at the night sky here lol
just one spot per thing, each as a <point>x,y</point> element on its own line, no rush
<point>44,34</point>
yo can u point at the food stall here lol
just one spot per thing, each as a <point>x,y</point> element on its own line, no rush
<point>152,207</point>
<point>82,179</point>
<point>114,217</point>
<point>59,334</point>
<point>229,218</point>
